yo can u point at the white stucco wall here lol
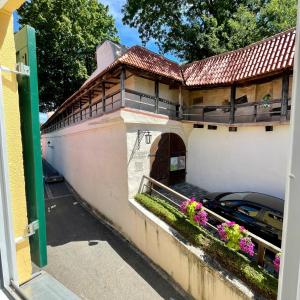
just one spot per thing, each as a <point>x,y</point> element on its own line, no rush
<point>92,157</point>
<point>138,158</point>
<point>98,158</point>
<point>250,159</point>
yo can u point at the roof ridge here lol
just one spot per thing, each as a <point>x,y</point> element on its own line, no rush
<point>162,56</point>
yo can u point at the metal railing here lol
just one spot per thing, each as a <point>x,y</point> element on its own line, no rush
<point>250,112</point>
<point>262,244</point>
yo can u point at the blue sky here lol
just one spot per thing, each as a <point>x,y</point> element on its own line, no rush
<point>129,36</point>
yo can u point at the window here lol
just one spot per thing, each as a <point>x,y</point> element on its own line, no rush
<point>249,210</point>
<point>269,128</point>
<point>232,129</point>
<point>177,163</point>
<point>273,219</point>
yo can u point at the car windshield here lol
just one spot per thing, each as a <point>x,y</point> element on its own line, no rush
<point>262,200</point>
<point>234,196</point>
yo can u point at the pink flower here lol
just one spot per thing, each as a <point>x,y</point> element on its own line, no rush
<point>276,263</point>
<point>230,223</point>
<point>183,206</point>
<point>194,211</point>
<point>222,232</point>
<point>242,229</point>
<point>246,245</point>
<point>198,206</point>
<point>201,217</point>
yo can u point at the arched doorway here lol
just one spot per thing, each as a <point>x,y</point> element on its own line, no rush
<point>168,159</point>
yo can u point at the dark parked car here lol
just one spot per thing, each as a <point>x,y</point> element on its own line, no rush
<point>259,213</point>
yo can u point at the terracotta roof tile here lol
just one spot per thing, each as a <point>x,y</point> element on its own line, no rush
<point>267,56</point>
<point>149,61</point>
<point>262,58</point>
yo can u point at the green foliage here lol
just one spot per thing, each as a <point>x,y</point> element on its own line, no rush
<point>235,262</point>
<point>68,32</point>
<point>234,236</point>
<point>278,15</point>
<point>195,29</point>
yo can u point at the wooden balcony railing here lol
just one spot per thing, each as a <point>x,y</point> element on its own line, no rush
<point>113,102</point>
<point>250,112</point>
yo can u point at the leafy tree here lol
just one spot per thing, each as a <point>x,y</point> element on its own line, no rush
<point>278,15</point>
<point>68,32</point>
<point>195,29</point>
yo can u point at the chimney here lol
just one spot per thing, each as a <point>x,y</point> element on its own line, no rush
<point>107,53</point>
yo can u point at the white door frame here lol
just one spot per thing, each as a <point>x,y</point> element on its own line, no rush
<point>289,278</point>
<point>7,242</point>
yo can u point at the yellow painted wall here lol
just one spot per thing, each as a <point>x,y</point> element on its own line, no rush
<point>215,96</point>
<point>13,139</point>
<point>254,92</point>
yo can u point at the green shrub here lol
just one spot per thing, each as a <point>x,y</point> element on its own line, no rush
<point>256,277</point>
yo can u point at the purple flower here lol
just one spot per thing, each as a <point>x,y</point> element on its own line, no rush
<point>230,223</point>
<point>242,229</point>
<point>201,217</point>
<point>183,206</point>
<point>198,206</point>
<point>276,263</point>
<point>246,245</point>
<point>222,232</point>
<point>194,211</point>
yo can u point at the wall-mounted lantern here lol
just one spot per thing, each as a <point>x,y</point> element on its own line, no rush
<point>148,137</point>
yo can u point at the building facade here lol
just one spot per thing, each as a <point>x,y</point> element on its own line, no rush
<point>22,214</point>
<point>12,139</point>
<point>231,112</point>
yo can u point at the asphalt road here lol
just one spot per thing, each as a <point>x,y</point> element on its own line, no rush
<point>93,261</point>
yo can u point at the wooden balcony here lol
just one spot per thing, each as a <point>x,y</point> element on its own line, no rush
<point>250,112</point>
<point>112,102</point>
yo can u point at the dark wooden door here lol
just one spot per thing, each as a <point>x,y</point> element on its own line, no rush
<point>168,154</point>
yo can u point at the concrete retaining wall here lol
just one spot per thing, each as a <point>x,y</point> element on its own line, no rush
<point>185,264</point>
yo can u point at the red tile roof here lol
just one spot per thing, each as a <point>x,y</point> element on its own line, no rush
<point>266,57</point>
<point>262,58</point>
<point>144,59</point>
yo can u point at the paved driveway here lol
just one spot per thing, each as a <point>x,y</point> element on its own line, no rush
<point>93,261</point>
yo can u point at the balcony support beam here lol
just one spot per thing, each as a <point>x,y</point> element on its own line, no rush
<point>90,105</point>
<point>103,96</point>
<point>80,109</point>
<point>232,103</point>
<point>284,97</point>
<point>73,113</point>
<point>122,83</point>
<point>180,102</point>
<point>156,92</point>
